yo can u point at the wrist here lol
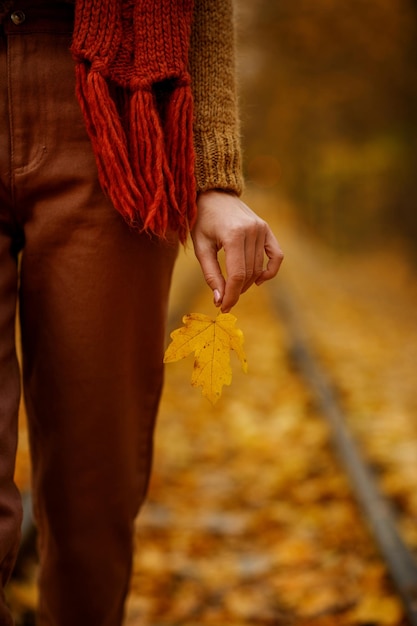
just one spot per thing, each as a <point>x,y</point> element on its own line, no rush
<point>216,190</point>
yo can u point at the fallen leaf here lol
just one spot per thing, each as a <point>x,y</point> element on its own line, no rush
<point>211,341</point>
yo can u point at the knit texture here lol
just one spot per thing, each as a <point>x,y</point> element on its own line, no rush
<point>212,60</point>
<point>134,90</point>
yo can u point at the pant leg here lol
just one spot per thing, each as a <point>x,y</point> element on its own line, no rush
<point>10,507</point>
<point>93,302</point>
<point>93,351</point>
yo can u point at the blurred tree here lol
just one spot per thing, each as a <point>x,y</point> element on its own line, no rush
<point>329,92</point>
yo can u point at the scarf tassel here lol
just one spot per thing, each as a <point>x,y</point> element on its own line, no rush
<point>164,159</point>
<point>149,161</point>
<point>109,143</point>
<point>180,153</point>
<point>149,177</point>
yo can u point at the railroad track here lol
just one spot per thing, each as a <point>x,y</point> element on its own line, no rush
<point>377,511</point>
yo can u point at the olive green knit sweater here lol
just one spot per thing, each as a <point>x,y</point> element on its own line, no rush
<point>213,72</point>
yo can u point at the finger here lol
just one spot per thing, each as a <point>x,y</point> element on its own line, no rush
<point>236,272</point>
<point>275,257</point>
<point>254,259</point>
<point>207,257</point>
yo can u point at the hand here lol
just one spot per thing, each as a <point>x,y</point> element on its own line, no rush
<point>224,221</point>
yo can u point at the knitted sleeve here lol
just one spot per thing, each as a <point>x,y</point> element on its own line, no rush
<point>216,121</point>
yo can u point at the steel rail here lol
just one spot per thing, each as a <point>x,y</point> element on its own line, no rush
<point>376,508</point>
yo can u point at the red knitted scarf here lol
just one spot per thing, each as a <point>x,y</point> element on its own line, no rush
<point>134,90</point>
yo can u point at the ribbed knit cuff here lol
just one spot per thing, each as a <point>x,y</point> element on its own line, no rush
<point>218,161</point>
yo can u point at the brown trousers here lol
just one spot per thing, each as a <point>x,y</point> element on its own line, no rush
<point>93,299</point>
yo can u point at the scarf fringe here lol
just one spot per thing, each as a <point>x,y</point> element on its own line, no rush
<point>149,160</point>
<point>149,177</point>
<point>108,140</point>
<point>180,150</point>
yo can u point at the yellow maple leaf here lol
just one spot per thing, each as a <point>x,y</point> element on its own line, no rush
<point>211,341</point>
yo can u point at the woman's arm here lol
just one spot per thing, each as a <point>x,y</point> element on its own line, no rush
<point>223,220</point>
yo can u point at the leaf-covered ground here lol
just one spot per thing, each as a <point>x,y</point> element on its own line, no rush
<point>250,519</point>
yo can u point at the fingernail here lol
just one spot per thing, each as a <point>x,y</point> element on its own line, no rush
<point>217,297</point>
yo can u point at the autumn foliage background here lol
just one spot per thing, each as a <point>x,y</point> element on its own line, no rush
<point>250,518</point>
<point>329,98</point>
